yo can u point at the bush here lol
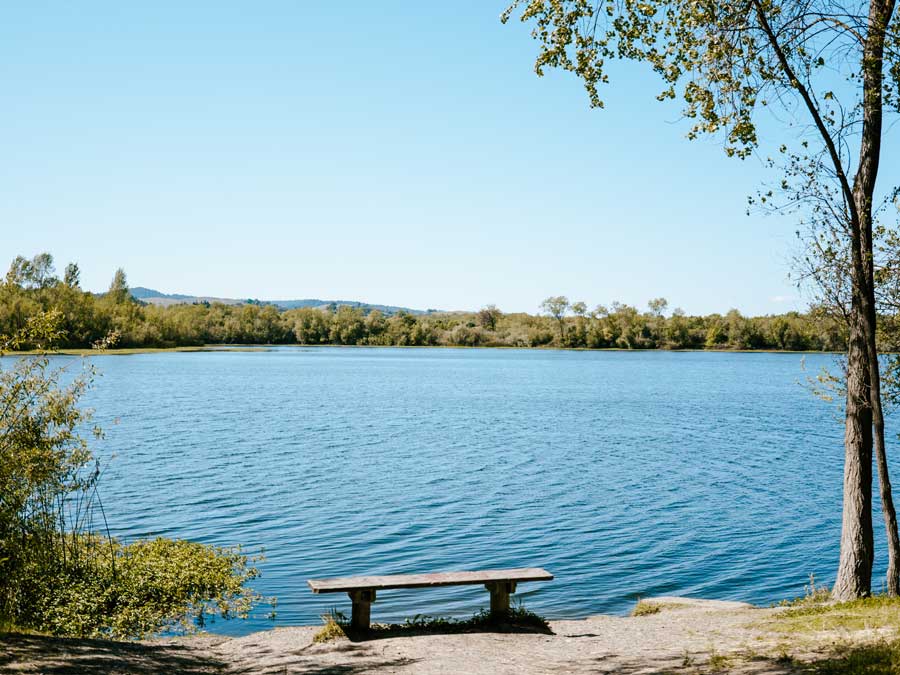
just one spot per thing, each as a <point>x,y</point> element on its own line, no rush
<point>56,574</point>
<point>135,590</point>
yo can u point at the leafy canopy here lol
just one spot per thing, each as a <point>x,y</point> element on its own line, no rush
<point>725,60</point>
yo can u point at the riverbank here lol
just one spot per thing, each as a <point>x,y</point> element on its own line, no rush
<point>145,350</point>
<point>672,635</point>
<point>84,351</point>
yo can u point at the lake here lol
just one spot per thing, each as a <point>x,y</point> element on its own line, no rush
<point>626,474</point>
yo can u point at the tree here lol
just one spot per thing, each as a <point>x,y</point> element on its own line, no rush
<point>72,277</point>
<point>658,306</point>
<point>557,306</point>
<point>35,273</point>
<point>42,271</point>
<point>820,67</point>
<point>118,288</point>
<point>489,316</point>
<point>578,336</point>
<point>19,270</point>
<point>677,331</point>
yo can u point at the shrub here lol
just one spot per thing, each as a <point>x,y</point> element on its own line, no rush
<point>139,589</point>
<point>56,574</point>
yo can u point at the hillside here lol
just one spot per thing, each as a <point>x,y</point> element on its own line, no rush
<point>154,297</point>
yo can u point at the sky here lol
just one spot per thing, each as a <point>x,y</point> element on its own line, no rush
<point>402,153</point>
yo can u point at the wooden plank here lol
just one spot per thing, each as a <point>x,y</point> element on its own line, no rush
<point>345,584</point>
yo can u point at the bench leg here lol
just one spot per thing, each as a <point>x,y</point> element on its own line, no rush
<point>362,609</point>
<point>500,592</point>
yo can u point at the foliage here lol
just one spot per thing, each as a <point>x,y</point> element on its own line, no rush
<point>135,590</point>
<point>727,62</point>
<point>644,608</point>
<point>336,624</point>
<point>880,611</point>
<point>333,629</point>
<point>878,658</point>
<point>820,75</point>
<point>557,306</point>
<point>489,316</point>
<point>718,662</point>
<point>113,320</point>
<point>57,573</point>
<point>648,607</point>
<point>816,612</point>
<point>813,596</point>
<point>45,465</point>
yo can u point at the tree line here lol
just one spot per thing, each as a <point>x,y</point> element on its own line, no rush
<point>115,318</point>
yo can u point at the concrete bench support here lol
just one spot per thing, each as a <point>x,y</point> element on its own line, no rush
<point>500,592</point>
<point>361,613</point>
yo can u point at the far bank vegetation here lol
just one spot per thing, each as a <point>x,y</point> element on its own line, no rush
<point>115,318</point>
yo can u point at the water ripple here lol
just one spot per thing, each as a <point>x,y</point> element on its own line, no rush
<point>625,474</point>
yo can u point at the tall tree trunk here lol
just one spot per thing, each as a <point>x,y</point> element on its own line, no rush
<point>887,500</point>
<point>854,577</point>
<point>880,12</point>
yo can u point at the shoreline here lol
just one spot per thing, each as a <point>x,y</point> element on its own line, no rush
<point>226,347</point>
<point>672,635</point>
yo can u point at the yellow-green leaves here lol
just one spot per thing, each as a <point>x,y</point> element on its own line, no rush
<point>718,55</point>
<point>56,575</point>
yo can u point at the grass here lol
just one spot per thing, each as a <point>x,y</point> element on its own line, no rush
<point>336,625</point>
<point>7,626</point>
<point>718,662</point>
<point>879,658</point>
<point>878,611</point>
<point>813,595</point>
<point>643,608</point>
<point>333,629</point>
<point>816,612</point>
<point>647,607</point>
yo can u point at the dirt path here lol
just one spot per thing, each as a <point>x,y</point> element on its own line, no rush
<point>685,636</point>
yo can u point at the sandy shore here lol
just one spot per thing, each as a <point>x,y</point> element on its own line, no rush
<point>689,636</point>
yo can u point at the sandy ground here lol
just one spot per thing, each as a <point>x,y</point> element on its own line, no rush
<point>687,636</point>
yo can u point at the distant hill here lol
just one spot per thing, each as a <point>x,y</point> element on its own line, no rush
<point>155,297</point>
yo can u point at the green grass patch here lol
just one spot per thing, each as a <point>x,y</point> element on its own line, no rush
<point>10,628</point>
<point>813,596</point>
<point>718,662</point>
<point>879,658</point>
<point>647,607</point>
<point>643,608</point>
<point>879,611</point>
<point>518,619</point>
<point>333,628</point>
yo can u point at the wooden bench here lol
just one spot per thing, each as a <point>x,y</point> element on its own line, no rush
<point>362,590</point>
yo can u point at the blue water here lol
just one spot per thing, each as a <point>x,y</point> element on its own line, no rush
<point>625,474</point>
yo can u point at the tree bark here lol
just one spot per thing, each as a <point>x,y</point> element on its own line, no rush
<point>854,577</point>
<point>863,194</point>
<point>887,500</point>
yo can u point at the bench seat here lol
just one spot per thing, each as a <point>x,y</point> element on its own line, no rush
<point>362,589</point>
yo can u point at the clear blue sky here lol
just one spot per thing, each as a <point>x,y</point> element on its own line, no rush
<point>392,152</point>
